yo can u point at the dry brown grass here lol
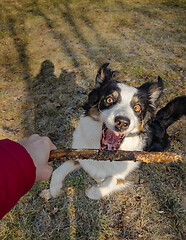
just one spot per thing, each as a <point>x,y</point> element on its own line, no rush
<point>142,39</point>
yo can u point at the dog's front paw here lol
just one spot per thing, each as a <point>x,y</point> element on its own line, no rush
<point>55,186</point>
<point>56,190</point>
<point>93,193</point>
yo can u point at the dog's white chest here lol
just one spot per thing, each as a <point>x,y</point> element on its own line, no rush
<point>87,134</point>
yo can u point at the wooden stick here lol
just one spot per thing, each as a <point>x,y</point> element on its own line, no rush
<point>113,155</point>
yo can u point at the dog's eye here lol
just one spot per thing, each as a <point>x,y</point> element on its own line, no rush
<point>109,100</point>
<point>136,108</point>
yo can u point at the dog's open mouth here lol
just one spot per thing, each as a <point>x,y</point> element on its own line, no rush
<point>110,140</point>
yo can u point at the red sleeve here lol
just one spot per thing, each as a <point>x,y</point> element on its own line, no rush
<point>17,174</point>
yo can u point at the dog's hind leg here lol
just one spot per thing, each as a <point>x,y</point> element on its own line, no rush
<point>59,175</point>
<point>110,185</point>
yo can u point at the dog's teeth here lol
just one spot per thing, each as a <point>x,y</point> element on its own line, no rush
<point>110,140</point>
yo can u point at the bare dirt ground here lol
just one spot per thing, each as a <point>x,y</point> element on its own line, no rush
<point>49,55</point>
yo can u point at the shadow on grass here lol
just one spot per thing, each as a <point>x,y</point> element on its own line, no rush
<point>113,52</point>
<point>56,101</point>
<point>17,33</point>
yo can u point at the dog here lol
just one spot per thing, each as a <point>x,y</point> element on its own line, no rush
<point>117,116</point>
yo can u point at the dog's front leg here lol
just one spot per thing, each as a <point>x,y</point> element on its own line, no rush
<point>59,175</point>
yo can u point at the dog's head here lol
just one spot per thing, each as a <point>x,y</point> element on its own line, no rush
<point>121,108</point>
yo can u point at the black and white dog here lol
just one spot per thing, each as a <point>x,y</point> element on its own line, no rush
<point>117,116</point>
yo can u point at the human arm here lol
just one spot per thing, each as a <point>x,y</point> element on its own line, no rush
<point>21,164</point>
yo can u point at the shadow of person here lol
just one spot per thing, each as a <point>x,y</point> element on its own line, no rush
<point>47,70</point>
<point>57,106</point>
<point>56,100</point>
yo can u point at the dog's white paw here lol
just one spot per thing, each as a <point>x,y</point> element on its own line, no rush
<point>56,189</point>
<point>59,175</point>
<point>93,193</point>
<point>55,185</point>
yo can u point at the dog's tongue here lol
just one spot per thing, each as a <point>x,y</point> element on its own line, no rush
<point>110,140</point>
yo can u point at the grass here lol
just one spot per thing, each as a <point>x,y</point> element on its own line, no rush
<point>49,54</point>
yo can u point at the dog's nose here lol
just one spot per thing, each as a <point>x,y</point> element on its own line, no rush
<point>122,123</point>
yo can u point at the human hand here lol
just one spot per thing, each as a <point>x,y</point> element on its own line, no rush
<point>39,149</point>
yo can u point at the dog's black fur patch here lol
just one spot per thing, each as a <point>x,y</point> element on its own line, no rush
<point>166,116</point>
<point>147,102</point>
<point>172,112</point>
<point>105,85</point>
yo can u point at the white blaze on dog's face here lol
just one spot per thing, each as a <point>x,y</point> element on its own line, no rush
<point>121,117</point>
<point>122,109</point>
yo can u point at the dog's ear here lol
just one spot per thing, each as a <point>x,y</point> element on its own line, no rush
<point>100,77</point>
<point>104,75</point>
<point>154,90</point>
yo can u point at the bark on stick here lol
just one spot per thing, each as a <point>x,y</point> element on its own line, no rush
<point>114,155</point>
